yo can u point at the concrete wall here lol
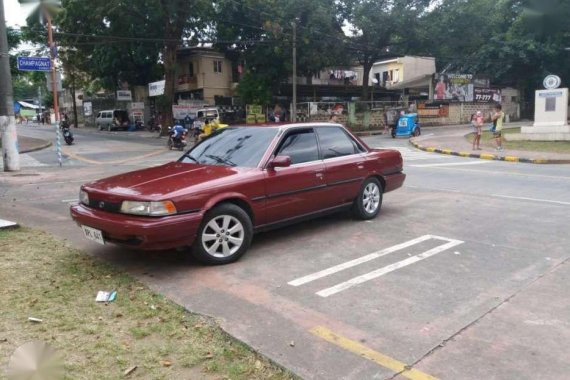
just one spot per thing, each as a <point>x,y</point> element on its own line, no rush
<point>408,67</point>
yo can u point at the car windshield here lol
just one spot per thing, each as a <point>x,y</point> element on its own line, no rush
<point>243,147</point>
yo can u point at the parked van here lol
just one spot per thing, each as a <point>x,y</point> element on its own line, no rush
<point>112,119</point>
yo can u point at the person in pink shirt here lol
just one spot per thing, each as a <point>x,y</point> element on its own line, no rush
<point>478,126</point>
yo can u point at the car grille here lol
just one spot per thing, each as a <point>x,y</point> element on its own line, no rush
<point>105,205</point>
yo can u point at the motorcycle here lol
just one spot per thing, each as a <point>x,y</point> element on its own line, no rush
<point>153,126</point>
<point>178,142</point>
<point>67,135</point>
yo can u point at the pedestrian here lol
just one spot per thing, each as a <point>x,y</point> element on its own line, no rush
<point>477,121</point>
<point>498,118</point>
<point>333,118</point>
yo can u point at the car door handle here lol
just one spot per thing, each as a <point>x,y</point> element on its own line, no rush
<point>360,165</point>
<point>319,173</point>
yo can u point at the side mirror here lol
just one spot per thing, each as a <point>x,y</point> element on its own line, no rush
<point>280,162</point>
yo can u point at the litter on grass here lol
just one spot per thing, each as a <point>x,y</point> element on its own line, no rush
<point>103,296</point>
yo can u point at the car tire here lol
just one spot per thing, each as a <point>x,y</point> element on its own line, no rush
<point>369,201</point>
<point>224,235</point>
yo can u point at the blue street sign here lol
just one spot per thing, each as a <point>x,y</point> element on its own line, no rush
<point>34,64</point>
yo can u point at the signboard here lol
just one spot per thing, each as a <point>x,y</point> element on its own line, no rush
<point>34,64</point>
<point>58,81</point>
<point>426,111</point>
<point>550,94</point>
<point>137,106</point>
<point>156,88</point>
<point>487,95</point>
<point>87,108</point>
<point>254,114</point>
<point>124,95</point>
<point>453,87</point>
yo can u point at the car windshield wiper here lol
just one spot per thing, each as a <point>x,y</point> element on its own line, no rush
<point>221,160</point>
<point>188,155</point>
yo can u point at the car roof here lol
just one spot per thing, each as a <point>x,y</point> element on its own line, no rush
<point>285,126</point>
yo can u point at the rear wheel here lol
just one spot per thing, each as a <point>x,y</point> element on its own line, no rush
<point>369,201</point>
<point>224,236</point>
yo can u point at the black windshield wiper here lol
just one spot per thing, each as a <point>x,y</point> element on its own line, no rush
<point>188,155</point>
<point>221,160</point>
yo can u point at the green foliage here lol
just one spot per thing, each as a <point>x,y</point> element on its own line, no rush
<point>255,89</point>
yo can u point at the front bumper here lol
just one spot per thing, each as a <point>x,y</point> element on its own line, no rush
<point>147,233</point>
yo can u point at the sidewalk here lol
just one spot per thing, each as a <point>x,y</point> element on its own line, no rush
<point>31,144</point>
<point>455,143</point>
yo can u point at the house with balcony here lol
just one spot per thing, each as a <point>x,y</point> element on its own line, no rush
<point>202,74</point>
<point>397,71</point>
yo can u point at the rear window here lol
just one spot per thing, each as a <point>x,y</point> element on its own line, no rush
<point>335,142</point>
<point>243,147</point>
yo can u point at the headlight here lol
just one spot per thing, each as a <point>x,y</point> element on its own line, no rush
<point>148,208</point>
<point>84,197</point>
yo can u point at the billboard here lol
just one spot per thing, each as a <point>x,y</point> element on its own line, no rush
<point>453,87</point>
<point>487,95</point>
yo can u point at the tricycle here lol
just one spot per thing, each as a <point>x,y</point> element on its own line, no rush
<point>407,126</point>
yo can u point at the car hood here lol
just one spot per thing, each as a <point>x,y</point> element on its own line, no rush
<point>162,180</point>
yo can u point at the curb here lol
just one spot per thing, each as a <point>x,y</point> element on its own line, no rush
<point>488,156</point>
<point>36,148</point>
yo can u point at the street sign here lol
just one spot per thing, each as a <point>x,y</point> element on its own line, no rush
<point>58,81</point>
<point>124,95</point>
<point>34,64</point>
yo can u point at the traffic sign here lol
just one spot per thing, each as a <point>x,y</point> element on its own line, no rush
<point>34,64</point>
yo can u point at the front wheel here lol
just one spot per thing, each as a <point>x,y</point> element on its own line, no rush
<point>369,201</point>
<point>224,236</point>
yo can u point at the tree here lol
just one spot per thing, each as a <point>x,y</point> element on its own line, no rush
<point>259,33</point>
<point>382,28</point>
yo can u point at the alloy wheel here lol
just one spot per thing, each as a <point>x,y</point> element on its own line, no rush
<point>223,236</point>
<point>371,198</point>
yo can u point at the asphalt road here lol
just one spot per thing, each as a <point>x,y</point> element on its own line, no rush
<point>464,275</point>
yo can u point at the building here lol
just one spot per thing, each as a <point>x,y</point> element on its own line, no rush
<point>202,74</point>
<point>400,70</point>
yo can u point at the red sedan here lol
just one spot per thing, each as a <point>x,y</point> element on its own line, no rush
<point>239,181</point>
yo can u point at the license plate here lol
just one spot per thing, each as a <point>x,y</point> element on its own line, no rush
<point>93,234</point>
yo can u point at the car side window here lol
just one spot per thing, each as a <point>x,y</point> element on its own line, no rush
<point>335,142</point>
<point>99,115</point>
<point>300,145</point>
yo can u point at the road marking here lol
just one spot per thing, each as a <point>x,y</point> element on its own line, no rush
<point>355,262</point>
<point>74,200</point>
<point>410,154</point>
<point>450,243</point>
<point>387,269</point>
<point>361,350</point>
<point>115,162</point>
<point>28,161</point>
<point>532,199</point>
<point>451,164</point>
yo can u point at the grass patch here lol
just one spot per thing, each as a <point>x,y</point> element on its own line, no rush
<point>44,278</point>
<point>487,140</point>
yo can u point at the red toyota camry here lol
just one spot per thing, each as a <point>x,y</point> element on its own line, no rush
<point>239,181</point>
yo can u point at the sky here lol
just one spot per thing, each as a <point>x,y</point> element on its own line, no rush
<point>15,15</point>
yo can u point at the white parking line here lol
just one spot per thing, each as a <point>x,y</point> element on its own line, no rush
<point>387,269</point>
<point>533,199</point>
<point>479,162</point>
<point>355,262</point>
<point>450,243</point>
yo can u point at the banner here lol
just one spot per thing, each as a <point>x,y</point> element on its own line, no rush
<point>487,95</point>
<point>433,110</point>
<point>453,87</point>
<point>254,114</point>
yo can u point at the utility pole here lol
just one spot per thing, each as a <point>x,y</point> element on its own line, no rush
<point>294,107</point>
<point>7,120</point>
<point>53,71</point>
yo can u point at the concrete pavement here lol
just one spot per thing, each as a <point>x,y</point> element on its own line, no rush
<point>465,273</point>
<point>452,141</point>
